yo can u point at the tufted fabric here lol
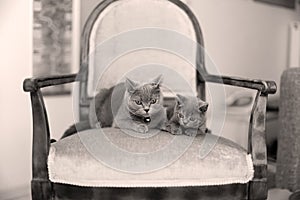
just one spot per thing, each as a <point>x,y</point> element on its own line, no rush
<point>113,158</point>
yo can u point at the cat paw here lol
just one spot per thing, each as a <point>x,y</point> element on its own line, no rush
<point>177,131</point>
<point>142,128</point>
<point>165,127</point>
<point>204,130</point>
<point>191,132</point>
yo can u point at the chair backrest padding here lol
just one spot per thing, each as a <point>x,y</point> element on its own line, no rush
<point>114,17</point>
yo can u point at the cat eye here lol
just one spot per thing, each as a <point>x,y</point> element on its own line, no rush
<point>138,102</point>
<point>180,115</point>
<point>153,101</point>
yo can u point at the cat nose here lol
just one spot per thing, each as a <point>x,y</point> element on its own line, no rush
<point>146,109</point>
<point>185,121</point>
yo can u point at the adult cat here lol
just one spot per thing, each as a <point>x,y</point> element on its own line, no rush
<point>128,105</point>
<point>188,116</point>
<point>139,107</point>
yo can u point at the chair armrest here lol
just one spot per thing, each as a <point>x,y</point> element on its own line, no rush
<point>33,84</point>
<point>266,87</point>
<point>41,133</point>
<point>257,147</point>
<point>257,133</point>
<point>257,136</point>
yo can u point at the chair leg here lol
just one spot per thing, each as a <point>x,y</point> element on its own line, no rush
<point>258,190</point>
<point>41,190</point>
<point>295,195</point>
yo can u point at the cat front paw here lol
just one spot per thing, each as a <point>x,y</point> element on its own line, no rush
<point>204,130</point>
<point>191,132</point>
<point>173,129</point>
<point>165,127</point>
<point>142,128</point>
<point>177,131</point>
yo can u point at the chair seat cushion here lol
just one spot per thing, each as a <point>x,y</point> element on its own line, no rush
<point>112,158</point>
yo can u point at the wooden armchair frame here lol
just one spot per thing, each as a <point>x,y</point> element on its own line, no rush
<point>42,187</point>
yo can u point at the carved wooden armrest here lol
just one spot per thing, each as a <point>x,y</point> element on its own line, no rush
<point>257,147</point>
<point>257,135</point>
<point>41,134</point>
<point>33,84</point>
<point>256,141</point>
<point>266,87</point>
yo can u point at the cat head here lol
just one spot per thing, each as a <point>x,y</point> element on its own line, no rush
<point>190,111</point>
<point>143,99</point>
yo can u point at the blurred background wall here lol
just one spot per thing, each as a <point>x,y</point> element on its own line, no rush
<point>243,37</point>
<point>15,108</point>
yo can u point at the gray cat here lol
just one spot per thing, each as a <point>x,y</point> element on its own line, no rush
<point>188,117</point>
<point>130,105</point>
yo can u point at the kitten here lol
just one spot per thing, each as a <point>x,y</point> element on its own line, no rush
<point>130,105</point>
<point>188,116</point>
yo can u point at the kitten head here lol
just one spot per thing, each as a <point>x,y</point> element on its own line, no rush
<point>190,111</point>
<point>143,100</point>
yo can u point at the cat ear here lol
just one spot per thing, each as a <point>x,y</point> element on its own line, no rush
<point>157,81</point>
<point>180,99</point>
<point>203,106</point>
<point>130,85</point>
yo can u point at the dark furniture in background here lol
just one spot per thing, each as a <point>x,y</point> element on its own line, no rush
<point>288,153</point>
<point>284,3</point>
<point>43,188</point>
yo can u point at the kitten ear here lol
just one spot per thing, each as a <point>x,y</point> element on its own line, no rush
<point>180,99</point>
<point>130,85</point>
<point>157,81</point>
<point>203,106</point>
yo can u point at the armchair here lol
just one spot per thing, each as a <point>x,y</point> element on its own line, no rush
<point>45,188</point>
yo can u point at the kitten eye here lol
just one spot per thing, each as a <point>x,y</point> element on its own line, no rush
<point>138,102</point>
<point>153,101</point>
<point>180,115</point>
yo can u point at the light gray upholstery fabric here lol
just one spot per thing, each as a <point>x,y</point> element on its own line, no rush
<point>116,21</point>
<point>92,158</point>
